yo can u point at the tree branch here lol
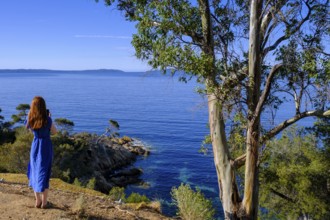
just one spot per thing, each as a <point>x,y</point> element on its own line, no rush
<point>269,17</point>
<point>266,91</point>
<point>282,195</point>
<point>287,123</point>
<point>238,162</point>
<point>286,36</point>
<point>266,37</point>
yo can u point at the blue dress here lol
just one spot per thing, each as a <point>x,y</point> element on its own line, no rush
<point>41,158</point>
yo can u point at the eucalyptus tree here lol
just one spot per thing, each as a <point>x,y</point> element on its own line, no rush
<point>245,53</point>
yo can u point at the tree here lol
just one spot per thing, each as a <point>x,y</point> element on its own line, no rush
<point>14,157</point>
<point>294,177</point>
<point>64,125</point>
<point>6,134</point>
<point>111,131</point>
<point>229,46</point>
<point>1,118</point>
<point>22,113</point>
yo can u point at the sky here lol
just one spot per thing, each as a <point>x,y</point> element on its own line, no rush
<point>65,35</point>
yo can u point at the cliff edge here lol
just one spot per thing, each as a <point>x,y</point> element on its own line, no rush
<point>67,202</point>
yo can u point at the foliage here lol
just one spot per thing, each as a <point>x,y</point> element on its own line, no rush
<point>205,145</point>
<point>117,193</point>
<point>64,125</point>
<point>76,182</point>
<point>14,157</point>
<point>192,205</point>
<point>91,183</point>
<point>113,128</point>
<point>136,198</point>
<point>111,131</point>
<point>294,178</point>
<point>321,129</point>
<point>70,153</point>
<point>114,124</point>
<point>1,119</point>
<point>6,134</point>
<point>22,113</point>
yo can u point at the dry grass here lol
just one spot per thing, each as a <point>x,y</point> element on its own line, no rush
<point>54,183</point>
<point>70,202</point>
<point>14,178</point>
<point>154,205</point>
<point>79,206</point>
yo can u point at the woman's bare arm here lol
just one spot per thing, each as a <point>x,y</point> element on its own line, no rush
<point>53,129</point>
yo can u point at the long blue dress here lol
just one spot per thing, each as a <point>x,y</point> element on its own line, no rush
<point>41,158</point>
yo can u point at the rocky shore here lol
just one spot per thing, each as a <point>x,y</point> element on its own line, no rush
<point>104,160</point>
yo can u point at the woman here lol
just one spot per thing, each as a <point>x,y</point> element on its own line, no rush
<point>41,154</point>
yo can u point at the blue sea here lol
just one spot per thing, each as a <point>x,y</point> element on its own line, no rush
<point>165,114</point>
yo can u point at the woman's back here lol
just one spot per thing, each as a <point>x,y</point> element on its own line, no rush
<point>43,132</point>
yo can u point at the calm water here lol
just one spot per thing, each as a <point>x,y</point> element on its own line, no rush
<point>165,114</point>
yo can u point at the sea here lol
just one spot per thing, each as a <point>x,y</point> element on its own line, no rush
<point>167,115</point>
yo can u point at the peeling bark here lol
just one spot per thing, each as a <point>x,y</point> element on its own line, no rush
<point>251,188</point>
<point>229,195</point>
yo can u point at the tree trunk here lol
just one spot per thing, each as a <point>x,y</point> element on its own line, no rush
<point>225,172</point>
<point>229,195</point>
<point>251,187</point>
<point>250,201</point>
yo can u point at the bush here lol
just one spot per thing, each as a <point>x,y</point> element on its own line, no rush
<point>117,193</point>
<point>91,183</point>
<point>76,182</point>
<point>14,157</point>
<point>137,198</point>
<point>192,205</point>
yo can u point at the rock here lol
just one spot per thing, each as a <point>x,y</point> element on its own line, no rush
<point>106,161</point>
<point>144,185</point>
<point>127,176</point>
<point>128,172</point>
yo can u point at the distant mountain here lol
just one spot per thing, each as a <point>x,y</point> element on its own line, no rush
<point>55,71</point>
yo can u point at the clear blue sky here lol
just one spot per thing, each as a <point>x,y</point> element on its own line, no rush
<point>65,34</point>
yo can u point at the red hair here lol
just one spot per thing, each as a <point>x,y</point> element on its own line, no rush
<point>37,117</point>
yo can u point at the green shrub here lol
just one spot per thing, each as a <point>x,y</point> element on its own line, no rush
<point>192,205</point>
<point>117,193</point>
<point>91,183</point>
<point>137,198</point>
<point>66,175</point>
<point>76,182</point>
<point>14,157</point>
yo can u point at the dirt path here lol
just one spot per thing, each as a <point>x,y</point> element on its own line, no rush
<point>17,202</point>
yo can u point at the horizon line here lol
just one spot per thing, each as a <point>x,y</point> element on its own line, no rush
<point>68,70</point>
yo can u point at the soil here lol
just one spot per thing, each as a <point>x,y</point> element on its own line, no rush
<point>17,202</point>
